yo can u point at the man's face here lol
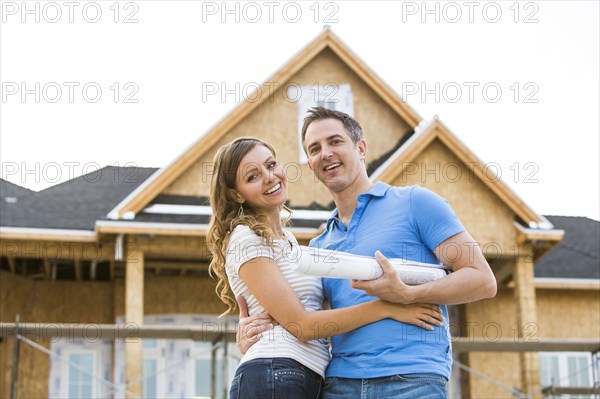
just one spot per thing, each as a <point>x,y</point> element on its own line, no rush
<point>335,160</point>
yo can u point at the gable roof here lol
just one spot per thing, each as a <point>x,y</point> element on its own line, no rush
<point>11,190</point>
<point>138,199</point>
<point>11,197</point>
<point>424,135</point>
<point>578,255</point>
<point>74,204</point>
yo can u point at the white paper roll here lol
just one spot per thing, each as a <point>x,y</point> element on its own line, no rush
<point>337,264</point>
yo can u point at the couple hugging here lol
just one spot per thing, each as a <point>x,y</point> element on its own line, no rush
<point>388,339</point>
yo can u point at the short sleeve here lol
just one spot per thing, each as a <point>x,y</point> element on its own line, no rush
<point>433,217</point>
<point>243,246</point>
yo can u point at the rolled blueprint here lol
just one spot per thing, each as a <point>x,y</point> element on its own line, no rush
<point>337,264</point>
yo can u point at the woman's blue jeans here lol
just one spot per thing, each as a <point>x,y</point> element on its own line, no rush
<point>275,378</point>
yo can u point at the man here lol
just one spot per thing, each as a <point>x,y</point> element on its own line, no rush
<point>387,358</point>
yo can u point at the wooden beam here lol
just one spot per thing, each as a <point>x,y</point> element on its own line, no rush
<point>12,264</point>
<point>210,331</point>
<point>503,272</point>
<point>78,270</point>
<point>47,267</point>
<point>93,269</point>
<point>526,234</point>
<point>543,240</point>
<point>15,363</point>
<point>134,314</point>
<point>207,331</point>
<point>557,391</point>
<point>112,270</point>
<point>41,236</point>
<point>151,228</point>
<point>55,250</point>
<point>184,248</point>
<point>173,230</point>
<point>165,264</point>
<point>524,293</point>
<point>469,344</point>
<point>418,145</point>
<point>307,236</point>
<point>560,284</point>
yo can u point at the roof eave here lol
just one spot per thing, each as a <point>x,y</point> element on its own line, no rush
<point>424,134</point>
<point>43,234</point>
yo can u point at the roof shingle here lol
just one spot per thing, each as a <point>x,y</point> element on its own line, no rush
<point>74,204</point>
<point>577,255</point>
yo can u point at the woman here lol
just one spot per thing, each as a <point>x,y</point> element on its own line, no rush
<point>253,255</point>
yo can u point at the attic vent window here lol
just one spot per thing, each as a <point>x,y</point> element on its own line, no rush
<point>10,200</point>
<point>330,95</point>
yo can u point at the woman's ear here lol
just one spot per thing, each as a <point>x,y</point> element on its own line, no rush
<point>237,197</point>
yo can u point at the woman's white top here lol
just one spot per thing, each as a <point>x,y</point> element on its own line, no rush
<point>244,246</point>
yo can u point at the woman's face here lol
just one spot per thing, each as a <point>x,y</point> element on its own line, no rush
<point>260,180</point>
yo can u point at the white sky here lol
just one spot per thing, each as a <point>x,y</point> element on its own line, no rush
<point>175,48</point>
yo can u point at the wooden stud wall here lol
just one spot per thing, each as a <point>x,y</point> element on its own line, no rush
<point>482,213</point>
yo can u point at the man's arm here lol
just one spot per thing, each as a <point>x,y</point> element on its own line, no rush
<point>472,278</point>
<point>249,329</point>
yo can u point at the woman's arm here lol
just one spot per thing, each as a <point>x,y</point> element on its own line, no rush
<point>265,281</point>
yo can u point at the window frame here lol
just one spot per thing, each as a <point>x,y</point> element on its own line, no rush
<point>66,370</point>
<point>157,354</point>
<point>310,96</point>
<point>564,371</point>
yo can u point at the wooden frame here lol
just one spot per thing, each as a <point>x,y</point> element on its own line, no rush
<point>436,130</point>
<point>161,179</point>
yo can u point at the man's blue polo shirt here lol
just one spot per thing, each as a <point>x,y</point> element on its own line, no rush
<point>401,222</point>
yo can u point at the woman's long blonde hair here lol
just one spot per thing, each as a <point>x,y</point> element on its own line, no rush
<point>226,214</point>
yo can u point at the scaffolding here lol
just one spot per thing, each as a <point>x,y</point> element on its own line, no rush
<point>26,333</point>
<point>22,332</point>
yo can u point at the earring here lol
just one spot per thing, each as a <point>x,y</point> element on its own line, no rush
<point>241,211</point>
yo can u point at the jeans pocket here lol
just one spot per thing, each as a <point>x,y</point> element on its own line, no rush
<point>234,390</point>
<point>289,383</point>
<point>289,376</point>
<point>424,378</point>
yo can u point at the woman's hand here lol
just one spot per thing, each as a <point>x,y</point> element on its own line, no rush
<point>424,315</point>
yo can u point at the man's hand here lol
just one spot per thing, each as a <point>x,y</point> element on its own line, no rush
<point>471,279</point>
<point>389,286</point>
<point>249,329</point>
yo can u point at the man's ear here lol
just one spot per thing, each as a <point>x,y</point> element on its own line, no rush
<point>362,148</point>
<point>307,158</point>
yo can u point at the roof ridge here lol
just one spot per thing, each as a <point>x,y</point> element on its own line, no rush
<point>16,185</point>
